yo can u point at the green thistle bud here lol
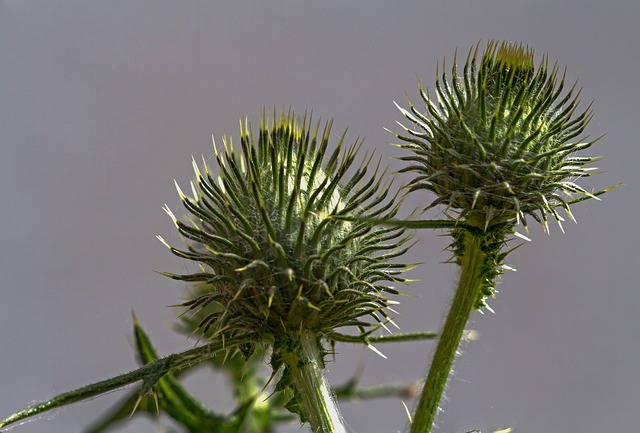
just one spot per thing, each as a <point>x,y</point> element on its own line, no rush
<point>275,261</point>
<point>497,144</point>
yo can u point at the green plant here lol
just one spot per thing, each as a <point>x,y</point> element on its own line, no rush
<point>496,145</point>
<point>295,244</point>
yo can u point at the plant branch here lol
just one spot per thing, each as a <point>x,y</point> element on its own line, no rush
<point>471,262</point>
<point>149,375</point>
<point>350,391</point>
<point>394,338</point>
<point>307,370</point>
<point>409,224</point>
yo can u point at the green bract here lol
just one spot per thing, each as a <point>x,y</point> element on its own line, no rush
<point>498,142</point>
<point>275,261</point>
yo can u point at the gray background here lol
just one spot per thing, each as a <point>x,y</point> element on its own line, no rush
<point>103,103</point>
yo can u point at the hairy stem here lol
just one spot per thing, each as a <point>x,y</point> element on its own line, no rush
<point>471,263</point>
<point>306,366</point>
<point>149,374</point>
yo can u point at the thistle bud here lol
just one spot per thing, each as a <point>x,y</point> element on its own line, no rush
<point>275,258</point>
<point>498,142</point>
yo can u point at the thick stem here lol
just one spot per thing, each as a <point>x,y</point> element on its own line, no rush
<point>306,368</point>
<point>471,262</point>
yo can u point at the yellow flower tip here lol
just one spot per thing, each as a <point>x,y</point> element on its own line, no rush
<point>514,55</point>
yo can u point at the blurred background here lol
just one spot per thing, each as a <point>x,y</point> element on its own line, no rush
<point>102,105</point>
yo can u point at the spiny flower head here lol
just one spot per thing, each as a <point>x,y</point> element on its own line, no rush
<point>275,256</point>
<point>498,143</point>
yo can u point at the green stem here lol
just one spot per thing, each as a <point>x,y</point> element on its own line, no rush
<point>350,391</point>
<point>149,374</point>
<point>306,366</point>
<point>392,338</point>
<point>471,263</point>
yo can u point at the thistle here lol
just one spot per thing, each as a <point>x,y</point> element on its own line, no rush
<point>295,243</point>
<point>496,145</point>
<point>278,263</point>
<point>289,255</point>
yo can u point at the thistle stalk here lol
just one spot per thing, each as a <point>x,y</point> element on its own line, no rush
<point>496,144</point>
<point>306,367</point>
<point>469,284</point>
